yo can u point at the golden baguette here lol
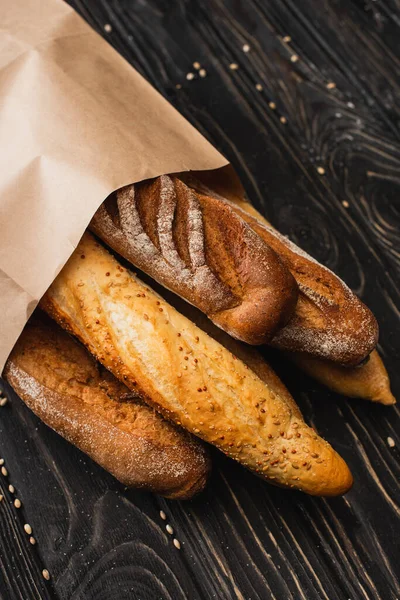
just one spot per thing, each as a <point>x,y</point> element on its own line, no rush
<point>63,385</point>
<point>187,375</point>
<point>369,381</point>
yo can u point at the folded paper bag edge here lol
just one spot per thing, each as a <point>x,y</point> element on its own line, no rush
<point>83,159</point>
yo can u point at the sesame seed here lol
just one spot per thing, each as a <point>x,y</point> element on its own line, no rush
<point>234,66</point>
<point>259,87</point>
<point>169,529</point>
<point>11,489</point>
<point>32,540</point>
<point>321,170</point>
<point>46,574</point>
<point>177,543</point>
<point>246,48</point>
<point>283,120</point>
<point>331,85</point>
<point>1,461</point>
<point>27,528</point>
<point>196,65</point>
<point>178,86</point>
<point>3,401</point>
<point>294,58</point>
<point>107,28</point>
<point>163,515</point>
<point>345,203</point>
<point>391,442</point>
<point>189,76</point>
<point>272,105</point>
<point>17,503</point>
<point>287,39</point>
<point>350,105</point>
<point>4,471</point>
<point>203,73</point>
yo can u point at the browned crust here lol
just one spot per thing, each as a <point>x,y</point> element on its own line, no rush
<point>195,245</point>
<point>329,321</point>
<point>64,386</point>
<point>188,376</point>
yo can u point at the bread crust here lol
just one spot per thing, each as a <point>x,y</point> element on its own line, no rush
<point>77,397</point>
<point>187,375</point>
<point>369,381</point>
<point>196,246</point>
<point>329,321</point>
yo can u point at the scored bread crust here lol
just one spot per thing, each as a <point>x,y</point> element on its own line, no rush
<point>199,248</point>
<point>329,321</point>
<point>187,375</point>
<point>77,397</point>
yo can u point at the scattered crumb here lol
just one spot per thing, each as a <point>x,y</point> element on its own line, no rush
<point>272,105</point>
<point>202,73</point>
<point>331,85</point>
<point>178,86</point>
<point>46,574</point>
<point>287,39</point>
<point>189,76</point>
<point>321,170</point>
<point>107,28</point>
<point>294,58</point>
<point>196,65</point>
<point>246,48</point>
<point>391,442</point>
<point>345,203</point>
<point>350,105</point>
<point>234,66</point>
<point>259,87</point>
<point>283,120</point>
<point>163,515</point>
<point>177,543</point>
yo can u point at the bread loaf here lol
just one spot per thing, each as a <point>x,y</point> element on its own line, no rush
<point>199,248</point>
<point>187,375</point>
<point>64,386</point>
<point>329,322</point>
<point>369,381</point>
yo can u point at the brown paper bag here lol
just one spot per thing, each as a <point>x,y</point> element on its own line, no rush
<point>76,123</point>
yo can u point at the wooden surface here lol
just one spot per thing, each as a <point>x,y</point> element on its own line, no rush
<point>242,538</point>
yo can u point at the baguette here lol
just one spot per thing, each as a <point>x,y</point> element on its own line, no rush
<point>64,386</point>
<point>329,322</point>
<point>199,248</point>
<point>369,381</point>
<point>188,376</point>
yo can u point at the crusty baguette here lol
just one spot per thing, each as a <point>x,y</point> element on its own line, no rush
<point>187,375</point>
<point>199,248</point>
<point>369,381</point>
<point>329,322</point>
<point>62,384</point>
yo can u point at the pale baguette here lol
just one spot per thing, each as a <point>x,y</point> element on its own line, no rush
<point>369,381</point>
<point>187,375</point>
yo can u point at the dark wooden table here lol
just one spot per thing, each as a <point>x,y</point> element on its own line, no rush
<point>311,120</point>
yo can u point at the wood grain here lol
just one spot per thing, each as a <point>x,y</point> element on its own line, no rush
<point>242,538</point>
